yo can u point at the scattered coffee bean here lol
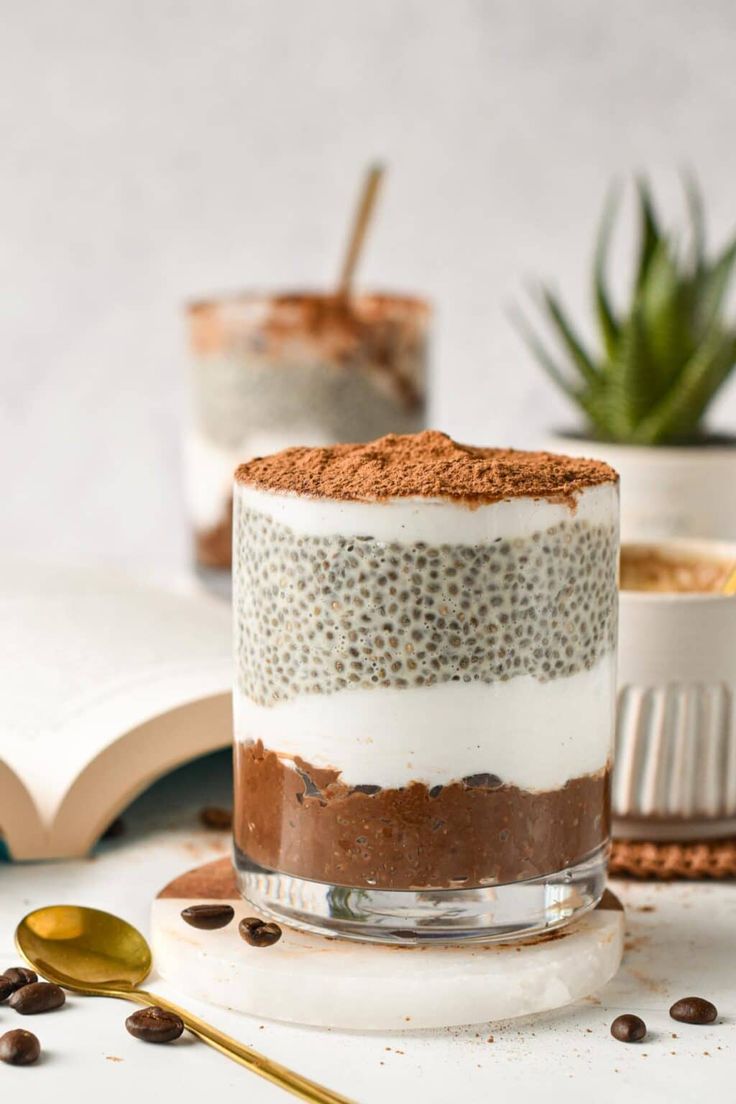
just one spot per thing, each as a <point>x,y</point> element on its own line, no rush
<point>115,829</point>
<point>628,1028</point>
<point>214,817</point>
<point>259,933</point>
<point>208,917</point>
<point>6,988</point>
<point>38,996</point>
<point>19,1048</point>
<point>249,924</point>
<point>154,1025</point>
<point>19,976</point>
<point>694,1010</point>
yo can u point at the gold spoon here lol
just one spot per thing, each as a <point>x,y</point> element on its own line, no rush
<point>359,228</point>
<point>729,585</point>
<point>100,955</point>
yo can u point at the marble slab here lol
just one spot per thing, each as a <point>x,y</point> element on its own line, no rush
<point>328,982</point>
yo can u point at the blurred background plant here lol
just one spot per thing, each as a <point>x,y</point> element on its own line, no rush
<point>663,357</point>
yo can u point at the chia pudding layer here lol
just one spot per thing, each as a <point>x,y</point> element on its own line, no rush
<point>269,371</point>
<point>425,676</point>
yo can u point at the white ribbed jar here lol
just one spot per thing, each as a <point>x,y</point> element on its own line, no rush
<point>675,766</point>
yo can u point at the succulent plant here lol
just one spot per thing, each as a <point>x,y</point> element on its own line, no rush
<point>663,358</point>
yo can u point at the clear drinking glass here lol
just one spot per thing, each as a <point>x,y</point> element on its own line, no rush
<point>424,709</point>
<point>269,371</point>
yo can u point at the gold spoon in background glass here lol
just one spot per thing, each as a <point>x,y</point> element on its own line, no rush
<point>100,955</point>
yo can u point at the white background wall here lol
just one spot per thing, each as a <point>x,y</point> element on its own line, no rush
<point>153,150</point>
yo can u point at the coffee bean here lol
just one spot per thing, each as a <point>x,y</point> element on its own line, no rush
<point>19,976</point>
<point>19,1048</point>
<point>208,917</point>
<point>214,817</point>
<point>369,791</point>
<point>483,781</point>
<point>154,1025</point>
<point>259,933</point>
<point>694,1010</point>
<point>6,988</point>
<point>39,996</point>
<point>628,1028</point>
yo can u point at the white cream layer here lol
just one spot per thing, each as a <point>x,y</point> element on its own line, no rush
<point>435,521</point>
<point>536,735</point>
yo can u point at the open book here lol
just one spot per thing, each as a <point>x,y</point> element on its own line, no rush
<point>105,684</point>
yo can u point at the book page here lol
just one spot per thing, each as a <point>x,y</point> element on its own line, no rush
<point>86,656</point>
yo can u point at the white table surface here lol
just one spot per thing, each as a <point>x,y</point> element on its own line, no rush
<point>681,941</point>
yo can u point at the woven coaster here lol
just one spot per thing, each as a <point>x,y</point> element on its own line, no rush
<point>663,862</point>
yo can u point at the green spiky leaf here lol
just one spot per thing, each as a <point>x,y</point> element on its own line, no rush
<point>694,201</point>
<point>663,359</point>
<point>572,343</point>
<point>629,390</point>
<point>545,358</point>
<point>686,402</point>
<point>607,321</point>
<point>716,281</point>
<point>648,232</point>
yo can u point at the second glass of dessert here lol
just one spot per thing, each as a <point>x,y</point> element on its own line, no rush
<point>425,687</point>
<point>270,371</point>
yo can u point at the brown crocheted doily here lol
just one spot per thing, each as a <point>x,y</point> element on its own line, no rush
<point>664,862</point>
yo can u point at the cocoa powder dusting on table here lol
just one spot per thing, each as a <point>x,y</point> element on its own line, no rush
<point>424,465</point>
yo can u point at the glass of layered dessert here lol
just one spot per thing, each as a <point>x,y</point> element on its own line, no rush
<point>425,676</point>
<point>270,371</point>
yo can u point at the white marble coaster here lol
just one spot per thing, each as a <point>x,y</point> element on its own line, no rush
<point>308,979</point>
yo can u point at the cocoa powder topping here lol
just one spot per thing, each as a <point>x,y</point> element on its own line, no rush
<point>328,319</point>
<point>424,465</point>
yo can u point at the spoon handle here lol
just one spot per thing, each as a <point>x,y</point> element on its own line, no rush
<point>257,1063</point>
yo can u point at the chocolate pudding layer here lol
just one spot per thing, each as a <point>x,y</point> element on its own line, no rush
<point>271,371</point>
<point>425,665</point>
<point>474,832</point>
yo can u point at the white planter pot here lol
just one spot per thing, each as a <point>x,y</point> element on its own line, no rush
<point>668,492</point>
<point>675,764</point>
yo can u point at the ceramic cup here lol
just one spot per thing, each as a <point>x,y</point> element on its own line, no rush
<point>675,766</point>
